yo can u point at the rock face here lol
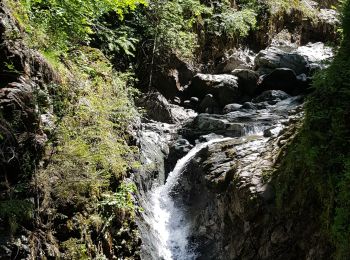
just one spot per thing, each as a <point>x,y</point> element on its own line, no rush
<point>171,80</point>
<point>24,74</point>
<point>325,26</point>
<point>229,202</point>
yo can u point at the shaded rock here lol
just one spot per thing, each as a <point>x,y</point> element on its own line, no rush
<point>177,150</point>
<point>209,105</point>
<point>248,106</point>
<point>231,107</point>
<point>171,80</point>
<point>188,104</point>
<point>323,28</point>
<point>159,109</point>
<point>223,87</point>
<point>247,81</point>
<point>177,100</point>
<point>281,79</point>
<point>194,100</point>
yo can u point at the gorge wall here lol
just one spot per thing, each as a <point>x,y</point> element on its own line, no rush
<point>227,160</point>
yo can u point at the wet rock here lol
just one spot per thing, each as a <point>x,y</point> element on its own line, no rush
<point>206,138</point>
<point>228,202</point>
<point>223,87</point>
<point>251,118</point>
<point>273,96</point>
<point>231,108</point>
<point>153,139</point>
<point>273,131</point>
<point>177,150</point>
<point>209,105</point>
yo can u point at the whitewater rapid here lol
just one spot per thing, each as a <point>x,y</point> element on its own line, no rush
<point>168,223</point>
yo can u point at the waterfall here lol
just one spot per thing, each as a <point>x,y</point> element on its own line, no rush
<point>166,220</point>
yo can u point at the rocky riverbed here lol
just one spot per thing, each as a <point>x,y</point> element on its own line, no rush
<point>204,185</point>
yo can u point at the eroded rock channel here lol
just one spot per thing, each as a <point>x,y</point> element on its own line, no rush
<point>205,181</point>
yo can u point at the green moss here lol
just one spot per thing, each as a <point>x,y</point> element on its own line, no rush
<point>15,213</point>
<point>314,176</point>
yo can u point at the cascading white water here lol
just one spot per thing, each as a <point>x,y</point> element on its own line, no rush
<point>168,223</point>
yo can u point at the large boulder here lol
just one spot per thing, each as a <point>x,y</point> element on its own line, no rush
<point>223,87</point>
<point>247,81</point>
<point>171,79</point>
<point>283,79</point>
<point>159,109</point>
<point>302,60</point>
<point>236,59</point>
<point>272,58</point>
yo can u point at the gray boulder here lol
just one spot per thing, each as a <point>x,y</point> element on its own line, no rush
<point>231,108</point>
<point>236,59</point>
<point>272,58</point>
<point>159,109</point>
<point>224,87</point>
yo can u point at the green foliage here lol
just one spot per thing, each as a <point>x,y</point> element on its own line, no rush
<point>75,249</point>
<point>15,212</point>
<point>171,25</point>
<point>90,156</point>
<point>233,23</point>
<point>61,24</point>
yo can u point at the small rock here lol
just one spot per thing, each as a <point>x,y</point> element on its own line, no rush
<point>209,105</point>
<point>231,107</point>
<point>249,106</point>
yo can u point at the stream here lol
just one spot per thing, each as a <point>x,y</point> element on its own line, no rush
<point>205,178</point>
